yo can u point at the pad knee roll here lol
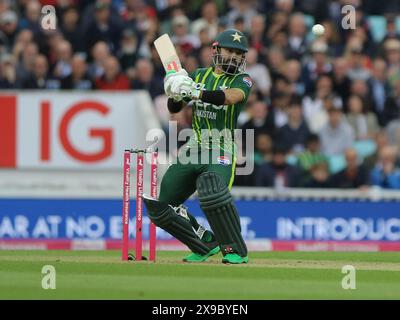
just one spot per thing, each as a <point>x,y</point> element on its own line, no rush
<point>164,216</point>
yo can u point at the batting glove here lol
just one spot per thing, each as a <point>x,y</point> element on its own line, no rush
<point>170,78</point>
<point>186,87</point>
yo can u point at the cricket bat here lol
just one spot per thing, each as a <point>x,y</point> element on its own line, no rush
<point>168,56</point>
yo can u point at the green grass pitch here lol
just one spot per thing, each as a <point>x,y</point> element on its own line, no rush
<point>269,275</point>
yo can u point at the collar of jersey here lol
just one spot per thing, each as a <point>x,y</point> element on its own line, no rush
<point>216,75</point>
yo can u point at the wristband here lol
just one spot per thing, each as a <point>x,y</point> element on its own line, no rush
<point>174,106</point>
<point>216,97</point>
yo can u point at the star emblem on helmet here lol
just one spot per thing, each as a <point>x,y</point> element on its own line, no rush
<point>236,36</point>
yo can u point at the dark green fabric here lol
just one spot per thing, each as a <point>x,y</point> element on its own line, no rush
<point>217,203</point>
<point>165,217</point>
<point>179,181</point>
<point>233,39</point>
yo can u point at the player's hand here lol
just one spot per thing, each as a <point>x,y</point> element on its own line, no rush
<point>170,78</point>
<point>186,87</point>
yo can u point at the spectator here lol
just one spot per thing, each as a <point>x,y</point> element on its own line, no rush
<point>391,28</point>
<point>208,20</point>
<point>360,88</point>
<point>100,53</point>
<point>353,176</point>
<point>393,132</point>
<point>103,28</point>
<point>53,40</point>
<point>129,52</point>
<point>32,17</point>
<point>7,71</point>
<point>319,177</point>
<point>9,27</point>
<point>297,36</point>
<point>381,141</point>
<point>263,148</point>
<point>277,22</point>
<point>78,79</point>
<point>386,174</point>
<point>71,29</point>
<point>205,56</point>
<point>392,57</point>
<point>23,39</point>
<point>62,67</point>
<point>364,123</point>
<point>186,42</point>
<point>317,66</point>
<point>260,120</point>
<point>191,63</point>
<point>40,79</point>
<point>357,62</point>
<point>244,9</point>
<point>293,135</point>
<point>257,39</point>
<point>275,61</point>
<point>292,72</point>
<point>337,135</point>
<point>139,16</point>
<point>278,109</point>
<point>277,173</point>
<point>379,88</point>
<point>113,78</point>
<point>310,157</point>
<point>313,105</point>
<point>332,38</point>
<point>26,63</point>
<point>341,82</point>
<point>392,105</point>
<point>258,72</point>
<point>145,80</point>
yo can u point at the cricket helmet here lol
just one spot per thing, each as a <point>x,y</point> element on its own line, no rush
<point>230,39</point>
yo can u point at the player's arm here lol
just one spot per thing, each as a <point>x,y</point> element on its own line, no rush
<point>222,97</point>
<point>238,92</point>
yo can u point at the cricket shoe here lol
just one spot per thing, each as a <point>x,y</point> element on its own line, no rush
<point>196,257</point>
<point>234,258</point>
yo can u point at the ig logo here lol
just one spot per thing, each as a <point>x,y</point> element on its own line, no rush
<point>49,19</point>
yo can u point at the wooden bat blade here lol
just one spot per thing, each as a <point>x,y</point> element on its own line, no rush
<point>167,53</point>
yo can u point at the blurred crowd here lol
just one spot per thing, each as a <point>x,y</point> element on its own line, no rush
<point>325,110</point>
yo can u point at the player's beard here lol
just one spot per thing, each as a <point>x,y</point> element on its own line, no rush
<point>228,64</point>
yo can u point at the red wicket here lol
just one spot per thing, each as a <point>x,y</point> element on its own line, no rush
<point>126,204</point>
<point>153,194</point>
<point>139,203</point>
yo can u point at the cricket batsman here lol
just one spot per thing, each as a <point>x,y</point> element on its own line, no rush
<point>217,95</point>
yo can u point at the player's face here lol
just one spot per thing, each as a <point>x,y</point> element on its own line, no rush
<point>231,61</point>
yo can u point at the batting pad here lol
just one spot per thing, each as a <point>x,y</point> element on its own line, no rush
<point>165,217</point>
<point>217,204</point>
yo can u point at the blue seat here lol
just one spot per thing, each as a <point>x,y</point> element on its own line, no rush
<point>291,159</point>
<point>377,26</point>
<point>309,21</point>
<point>336,163</point>
<point>365,148</point>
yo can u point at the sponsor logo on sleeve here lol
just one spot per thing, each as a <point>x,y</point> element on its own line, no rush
<point>248,81</point>
<point>223,160</point>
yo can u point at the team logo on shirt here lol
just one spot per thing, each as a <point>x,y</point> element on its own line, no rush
<point>248,81</point>
<point>224,160</point>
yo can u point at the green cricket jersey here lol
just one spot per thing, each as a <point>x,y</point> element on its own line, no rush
<point>207,117</point>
